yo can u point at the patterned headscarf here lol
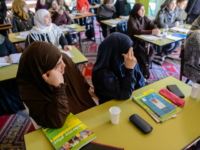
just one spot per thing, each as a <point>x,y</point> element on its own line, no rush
<point>17,7</point>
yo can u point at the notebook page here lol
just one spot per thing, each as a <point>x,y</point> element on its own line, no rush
<point>14,58</point>
<point>68,53</point>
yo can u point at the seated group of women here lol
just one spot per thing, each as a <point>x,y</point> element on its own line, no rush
<point>138,24</point>
<point>52,86</point>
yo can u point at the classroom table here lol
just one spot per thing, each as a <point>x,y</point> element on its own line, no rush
<point>78,30</point>
<point>9,72</point>
<point>160,43</point>
<point>173,134</point>
<point>95,6</point>
<point>127,17</point>
<point>84,15</point>
<point>109,25</point>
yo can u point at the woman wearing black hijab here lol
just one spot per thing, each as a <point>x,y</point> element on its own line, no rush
<point>116,74</point>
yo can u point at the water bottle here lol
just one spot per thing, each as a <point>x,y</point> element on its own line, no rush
<point>165,32</point>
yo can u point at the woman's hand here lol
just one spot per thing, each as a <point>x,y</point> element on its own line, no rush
<point>67,48</point>
<point>176,23</point>
<point>129,59</point>
<point>53,77</point>
<point>155,31</point>
<point>60,12</point>
<point>92,94</point>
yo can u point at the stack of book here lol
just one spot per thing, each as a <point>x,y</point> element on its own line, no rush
<point>157,106</point>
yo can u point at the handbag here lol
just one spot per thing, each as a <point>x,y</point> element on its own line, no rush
<point>90,32</point>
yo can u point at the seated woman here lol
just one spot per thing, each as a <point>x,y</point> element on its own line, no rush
<point>116,74</point>
<point>53,9</point>
<point>46,31</point>
<point>139,24</point>
<point>167,15</point>
<point>192,53</point>
<point>62,18</point>
<point>51,85</point>
<point>9,94</point>
<point>41,5</point>
<point>23,18</point>
<point>65,7</point>
<point>122,8</point>
<point>83,6</point>
<point>106,11</point>
<point>181,4</point>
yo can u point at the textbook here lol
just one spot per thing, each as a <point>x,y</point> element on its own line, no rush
<point>179,29</point>
<point>72,136</point>
<point>99,146</point>
<point>154,115</point>
<point>11,59</point>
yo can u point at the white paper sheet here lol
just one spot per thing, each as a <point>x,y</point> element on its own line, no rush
<point>22,35</point>
<point>174,38</point>
<point>150,37</point>
<point>68,53</point>
<point>64,28</point>
<point>179,29</point>
<point>14,58</point>
<point>113,21</point>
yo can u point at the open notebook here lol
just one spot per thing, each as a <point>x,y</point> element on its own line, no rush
<point>11,59</point>
<point>22,35</point>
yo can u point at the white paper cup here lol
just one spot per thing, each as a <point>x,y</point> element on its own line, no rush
<point>195,90</point>
<point>114,114</point>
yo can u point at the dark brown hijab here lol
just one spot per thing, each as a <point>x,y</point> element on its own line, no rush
<point>50,106</point>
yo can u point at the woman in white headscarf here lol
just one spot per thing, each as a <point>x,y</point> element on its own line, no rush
<point>46,31</point>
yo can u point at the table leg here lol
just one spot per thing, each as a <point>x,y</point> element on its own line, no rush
<point>80,42</point>
<point>108,30</point>
<point>94,29</point>
<point>159,50</point>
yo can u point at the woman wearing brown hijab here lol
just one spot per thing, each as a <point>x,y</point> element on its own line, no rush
<point>139,24</point>
<point>51,85</point>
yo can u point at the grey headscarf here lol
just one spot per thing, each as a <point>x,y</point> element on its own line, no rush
<point>196,24</point>
<point>165,7</point>
<point>106,12</point>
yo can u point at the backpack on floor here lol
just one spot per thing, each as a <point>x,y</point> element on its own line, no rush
<point>90,32</point>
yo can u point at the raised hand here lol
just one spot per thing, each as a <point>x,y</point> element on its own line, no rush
<point>129,59</point>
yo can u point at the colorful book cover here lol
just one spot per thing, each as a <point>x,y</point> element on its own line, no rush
<point>158,104</point>
<point>72,136</point>
<point>138,100</point>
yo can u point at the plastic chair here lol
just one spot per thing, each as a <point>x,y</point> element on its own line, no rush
<point>34,123</point>
<point>122,26</point>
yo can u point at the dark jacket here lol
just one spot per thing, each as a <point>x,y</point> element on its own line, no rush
<point>21,24</point>
<point>191,4</point>
<point>61,19</point>
<point>7,48</point>
<point>179,13</point>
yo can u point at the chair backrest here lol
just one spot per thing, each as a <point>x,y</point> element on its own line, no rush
<point>34,123</point>
<point>122,26</point>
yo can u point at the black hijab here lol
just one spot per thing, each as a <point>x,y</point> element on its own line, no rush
<point>109,75</point>
<point>109,55</point>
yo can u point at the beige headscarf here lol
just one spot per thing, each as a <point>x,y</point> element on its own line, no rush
<point>17,7</point>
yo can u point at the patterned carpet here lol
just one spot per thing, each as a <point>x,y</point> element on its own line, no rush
<point>13,127</point>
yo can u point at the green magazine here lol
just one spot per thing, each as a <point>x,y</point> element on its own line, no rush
<point>138,100</point>
<point>72,136</point>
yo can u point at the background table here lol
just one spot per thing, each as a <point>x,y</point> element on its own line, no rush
<point>173,134</point>
<point>9,72</point>
<point>95,6</point>
<point>78,29</point>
